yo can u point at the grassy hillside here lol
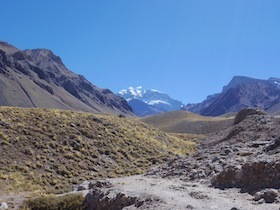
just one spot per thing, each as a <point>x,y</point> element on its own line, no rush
<point>187,122</point>
<point>52,150</point>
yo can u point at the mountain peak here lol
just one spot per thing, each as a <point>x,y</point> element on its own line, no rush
<point>41,55</point>
<point>242,92</point>
<point>38,78</point>
<point>237,80</point>
<point>161,102</point>
<point>136,92</point>
<point>8,48</point>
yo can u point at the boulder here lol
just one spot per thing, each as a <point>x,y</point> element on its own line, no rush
<point>268,195</point>
<point>250,177</point>
<point>100,199</point>
<point>3,206</point>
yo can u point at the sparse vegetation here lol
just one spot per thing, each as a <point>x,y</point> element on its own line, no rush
<point>67,202</point>
<point>187,122</point>
<point>52,150</point>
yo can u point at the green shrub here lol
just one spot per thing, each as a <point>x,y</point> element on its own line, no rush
<point>67,202</point>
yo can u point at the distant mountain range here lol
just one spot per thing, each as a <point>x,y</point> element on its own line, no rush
<point>241,92</point>
<point>149,101</point>
<point>38,78</point>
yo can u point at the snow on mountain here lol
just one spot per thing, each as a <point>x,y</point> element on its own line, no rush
<point>157,99</point>
<point>153,102</point>
<point>275,81</point>
<point>136,93</point>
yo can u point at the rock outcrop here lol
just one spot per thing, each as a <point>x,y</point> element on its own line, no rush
<point>99,199</point>
<point>103,196</point>
<point>246,112</point>
<point>244,156</point>
<point>267,196</point>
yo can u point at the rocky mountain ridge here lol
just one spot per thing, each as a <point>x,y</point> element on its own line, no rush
<point>241,92</point>
<point>38,78</point>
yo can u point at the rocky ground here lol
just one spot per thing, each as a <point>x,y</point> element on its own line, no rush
<point>153,192</point>
<point>237,168</point>
<point>245,156</point>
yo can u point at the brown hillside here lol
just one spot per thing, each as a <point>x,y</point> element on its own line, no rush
<point>38,78</point>
<point>54,149</point>
<point>187,122</point>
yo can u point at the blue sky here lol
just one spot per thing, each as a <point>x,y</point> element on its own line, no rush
<point>186,48</point>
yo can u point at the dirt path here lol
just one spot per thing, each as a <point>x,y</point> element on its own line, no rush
<point>172,194</point>
<point>177,195</point>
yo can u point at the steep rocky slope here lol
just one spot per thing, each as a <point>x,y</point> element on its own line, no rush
<point>38,78</point>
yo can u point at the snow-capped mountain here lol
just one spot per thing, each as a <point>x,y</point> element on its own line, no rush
<point>156,101</point>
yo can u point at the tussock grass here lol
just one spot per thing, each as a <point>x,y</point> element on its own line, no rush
<point>52,150</point>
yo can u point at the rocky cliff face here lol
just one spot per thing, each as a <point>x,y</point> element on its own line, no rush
<point>38,78</point>
<point>241,92</point>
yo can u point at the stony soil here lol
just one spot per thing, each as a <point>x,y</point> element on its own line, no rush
<point>153,192</point>
<point>236,168</point>
<point>245,156</point>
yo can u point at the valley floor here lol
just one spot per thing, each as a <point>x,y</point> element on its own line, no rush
<point>169,193</point>
<point>162,193</point>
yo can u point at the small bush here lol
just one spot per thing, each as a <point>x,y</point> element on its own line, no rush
<point>67,202</point>
<point>28,151</point>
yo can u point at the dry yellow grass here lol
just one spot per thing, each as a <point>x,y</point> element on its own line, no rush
<point>52,150</point>
<point>187,122</point>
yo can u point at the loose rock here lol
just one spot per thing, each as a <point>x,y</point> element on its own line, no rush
<point>3,206</point>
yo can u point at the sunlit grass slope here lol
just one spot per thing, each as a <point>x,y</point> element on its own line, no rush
<point>187,122</point>
<point>52,150</point>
